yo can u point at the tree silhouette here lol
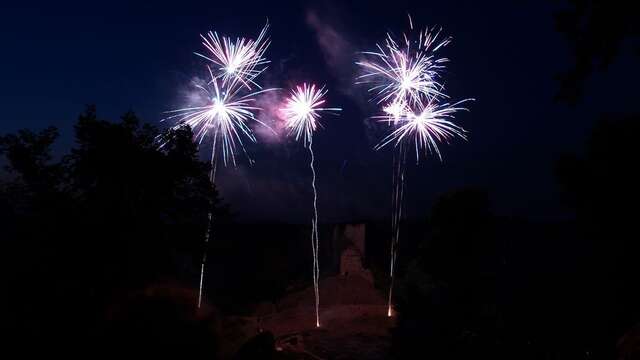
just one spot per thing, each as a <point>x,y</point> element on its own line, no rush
<point>447,300</point>
<point>597,31</point>
<point>30,161</point>
<point>503,288</point>
<point>114,216</point>
<point>602,186</point>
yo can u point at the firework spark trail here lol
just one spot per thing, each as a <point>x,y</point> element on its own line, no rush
<point>302,113</point>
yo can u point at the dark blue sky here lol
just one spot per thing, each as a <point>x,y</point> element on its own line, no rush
<point>57,57</point>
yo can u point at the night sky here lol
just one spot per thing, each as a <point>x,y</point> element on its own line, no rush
<point>57,57</point>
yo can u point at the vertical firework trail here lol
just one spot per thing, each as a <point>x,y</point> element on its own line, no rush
<point>301,114</point>
<point>207,235</point>
<point>314,234</point>
<point>397,196</point>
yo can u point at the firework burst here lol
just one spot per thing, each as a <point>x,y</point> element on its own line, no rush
<point>302,111</point>
<point>224,117</point>
<point>427,127</point>
<point>403,72</point>
<point>236,61</point>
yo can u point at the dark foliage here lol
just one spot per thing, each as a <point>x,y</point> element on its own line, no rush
<point>104,245</point>
<point>114,217</point>
<point>260,347</point>
<point>489,287</point>
<point>159,323</point>
<point>598,31</point>
<point>602,186</point>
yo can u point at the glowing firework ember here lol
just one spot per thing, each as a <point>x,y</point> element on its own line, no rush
<point>240,60</point>
<point>301,113</point>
